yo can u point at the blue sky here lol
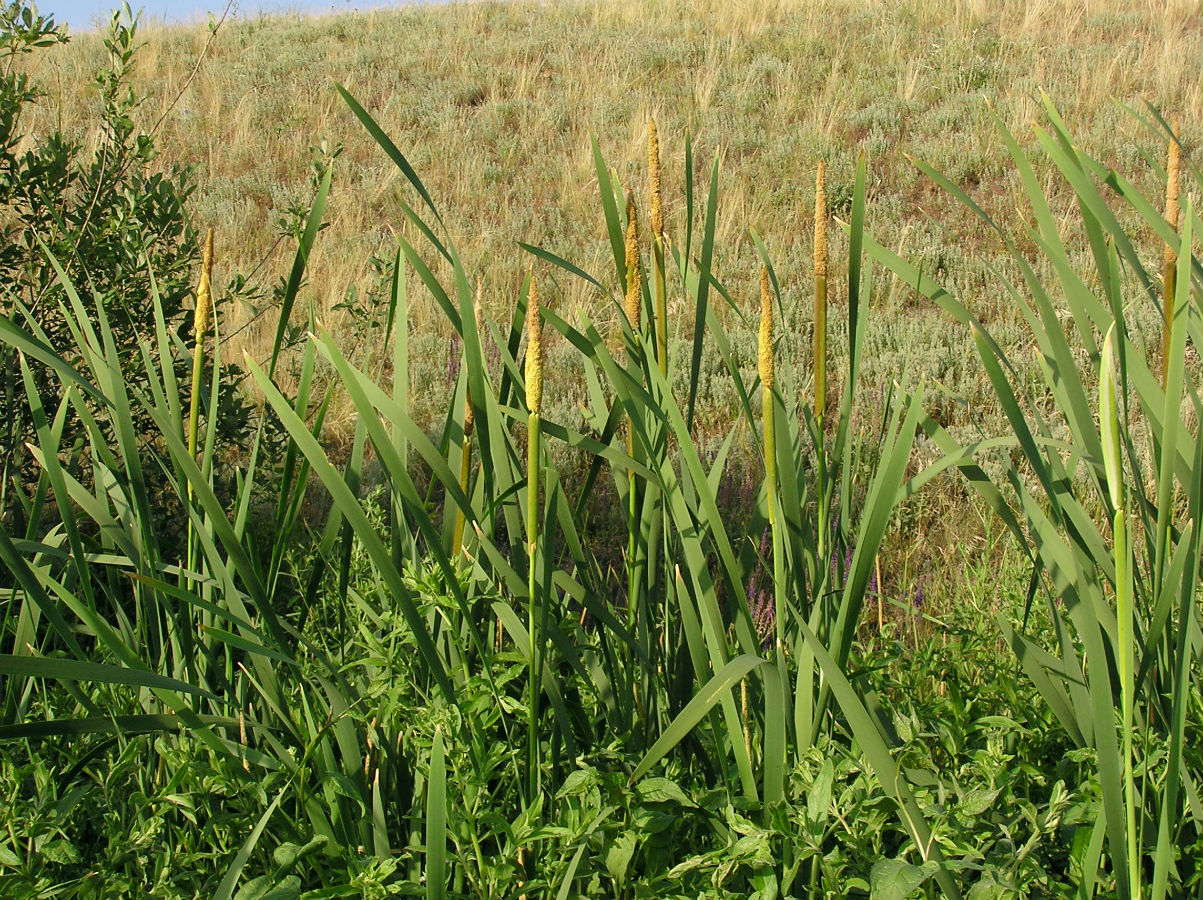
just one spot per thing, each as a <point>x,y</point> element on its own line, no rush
<point>80,15</point>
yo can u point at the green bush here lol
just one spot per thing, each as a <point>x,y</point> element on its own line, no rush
<point>118,229</point>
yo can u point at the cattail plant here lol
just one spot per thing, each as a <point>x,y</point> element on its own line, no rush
<point>1109,433</point>
<point>534,405</point>
<point>659,294</point>
<point>633,305</point>
<point>1168,277</point>
<point>775,686</point>
<point>820,254</point>
<point>820,355</point>
<point>1113,670</point>
<point>634,294</point>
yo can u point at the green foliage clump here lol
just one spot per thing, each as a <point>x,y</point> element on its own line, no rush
<point>98,216</point>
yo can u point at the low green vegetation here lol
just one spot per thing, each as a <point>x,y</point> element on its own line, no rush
<point>646,649</point>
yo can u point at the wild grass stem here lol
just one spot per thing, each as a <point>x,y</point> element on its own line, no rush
<point>200,325</point>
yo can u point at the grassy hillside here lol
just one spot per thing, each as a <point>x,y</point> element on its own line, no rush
<point>494,104</point>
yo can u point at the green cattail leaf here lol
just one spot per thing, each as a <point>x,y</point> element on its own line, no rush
<point>436,821</point>
<point>76,670</point>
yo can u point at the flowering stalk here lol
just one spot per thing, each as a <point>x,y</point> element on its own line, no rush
<point>658,288</point>
<point>820,352</point>
<point>820,254</point>
<point>1169,277</point>
<point>1113,468</point>
<point>534,405</point>
<point>633,306</point>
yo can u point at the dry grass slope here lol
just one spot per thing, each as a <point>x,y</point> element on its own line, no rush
<point>494,104</point>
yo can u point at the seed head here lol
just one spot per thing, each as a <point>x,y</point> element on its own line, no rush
<point>765,348</point>
<point>534,351</point>
<point>1173,176</point>
<point>204,291</point>
<point>820,222</point>
<point>634,299</point>
<point>653,176</point>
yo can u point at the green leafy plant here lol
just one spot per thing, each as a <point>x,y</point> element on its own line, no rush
<point>117,227</point>
<point>1106,512</point>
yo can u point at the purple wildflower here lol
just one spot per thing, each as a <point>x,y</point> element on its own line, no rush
<point>760,601</point>
<point>764,618</point>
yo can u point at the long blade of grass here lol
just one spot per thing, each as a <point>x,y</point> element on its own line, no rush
<point>436,821</point>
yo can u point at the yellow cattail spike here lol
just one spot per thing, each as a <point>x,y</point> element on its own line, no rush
<point>634,298</point>
<point>534,351</point>
<point>820,316</point>
<point>1169,277</point>
<point>1174,174</point>
<point>204,290</point>
<point>764,356</point>
<point>653,177</point>
<point>821,220</point>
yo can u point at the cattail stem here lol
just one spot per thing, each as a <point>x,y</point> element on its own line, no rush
<point>1169,275</point>
<point>820,323</point>
<point>465,472</point>
<point>204,309</point>
<point>200,325</point>
<point>661,300</point>
<point>881,602</point>
<point>465,466</point>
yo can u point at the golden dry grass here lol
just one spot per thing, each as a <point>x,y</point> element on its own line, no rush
<point>494,103</point>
